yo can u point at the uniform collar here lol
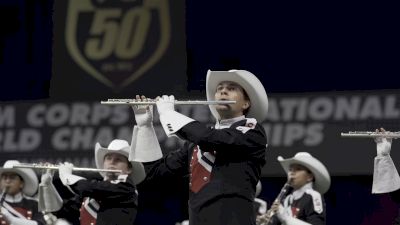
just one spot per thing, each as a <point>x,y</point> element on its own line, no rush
<point>13,198</point>
<point>228,122</point>
<point>299,192</point>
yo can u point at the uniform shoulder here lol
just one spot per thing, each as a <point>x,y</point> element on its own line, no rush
<point>28,198</point>
<point>247,124</point>
<point>316,198</point>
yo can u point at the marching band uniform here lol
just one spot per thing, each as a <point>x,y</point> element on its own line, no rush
<point>111,201</point>
<point>224,162</point>
<point>220,171</point>
<point>20,209</point>
<point>305,205</point>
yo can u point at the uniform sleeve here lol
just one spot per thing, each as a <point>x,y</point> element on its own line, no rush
<point>174,163</point>
<point>315,214</point>
<point>70,210</point>
<point>237,138</point>
<point>116,191</point>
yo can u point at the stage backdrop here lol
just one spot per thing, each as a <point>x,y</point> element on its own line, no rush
<point>67,131</point>
<point>26,33</point>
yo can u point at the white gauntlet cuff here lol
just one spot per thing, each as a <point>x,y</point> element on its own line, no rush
<point>70,179</point>
<point>386,178</point>
<point>173,121</point>
<point>146,147</point>
<point>48,198</point>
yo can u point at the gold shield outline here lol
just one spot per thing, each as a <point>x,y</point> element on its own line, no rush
<point>77,6</point>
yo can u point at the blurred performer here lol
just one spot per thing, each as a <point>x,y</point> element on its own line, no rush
<point>113,200</point>
<point>224,162</point>
<point>309,180</point>
<point>260,206</point>
<point>386,179</point>
<point>17,205</point>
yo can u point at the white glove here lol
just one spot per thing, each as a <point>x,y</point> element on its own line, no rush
<point>383,145</point>
<point>5,212</point>
<point>165,104</point>
<point>66,176</point>
<point>143,113</point>
<point>65,169</point>
<point>282,214</point>
<point>46,178</point>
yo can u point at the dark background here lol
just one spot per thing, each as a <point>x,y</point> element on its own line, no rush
<point>291,46</point>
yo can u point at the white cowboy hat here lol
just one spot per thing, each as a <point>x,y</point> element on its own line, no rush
<point>249,82</point>
<point>28,175</point>
<point>120,147</point>
<point>322,180</point>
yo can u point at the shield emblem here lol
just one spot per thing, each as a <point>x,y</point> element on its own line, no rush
<point>116,42</point>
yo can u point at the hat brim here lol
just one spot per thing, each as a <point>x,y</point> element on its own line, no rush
<point>138,173</point>
<point>30,179</point>
<point>249,82</point>
<point>321,175</point>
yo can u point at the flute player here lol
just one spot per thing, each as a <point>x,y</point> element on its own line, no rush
<point>224,162</point>
<point>112,200</point>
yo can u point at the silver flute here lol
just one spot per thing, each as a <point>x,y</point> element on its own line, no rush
<point>55,167</point>
<point>370,134</point>
<point>153,102</point>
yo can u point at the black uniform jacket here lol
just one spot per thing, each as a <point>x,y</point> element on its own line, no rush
<point>310,207</point>
<point>117,199</point>
<point>236,156</point>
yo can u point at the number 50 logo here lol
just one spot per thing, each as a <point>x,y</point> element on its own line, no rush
<point>117,43</point>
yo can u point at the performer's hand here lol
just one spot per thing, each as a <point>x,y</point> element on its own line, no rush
<point>165,104</point>
<point>6,214</point>
<point>143,113</point>
<point>65,170</point>
<point>46,178</point>
<point>281,213</point>
<point>383,145</point>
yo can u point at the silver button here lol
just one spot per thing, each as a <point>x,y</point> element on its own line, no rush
<point>205,178</point>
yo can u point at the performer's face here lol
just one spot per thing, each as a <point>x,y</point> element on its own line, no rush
<point>299,176</point>
<point>12,182</point>
<point>114,161</point>
<point>231,91</point>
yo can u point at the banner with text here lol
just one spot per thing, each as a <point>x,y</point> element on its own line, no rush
<point>67,131</point>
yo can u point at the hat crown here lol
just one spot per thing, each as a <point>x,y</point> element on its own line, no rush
<point>302,154</point>
<point>118,144</point>
<point>10,164</point>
